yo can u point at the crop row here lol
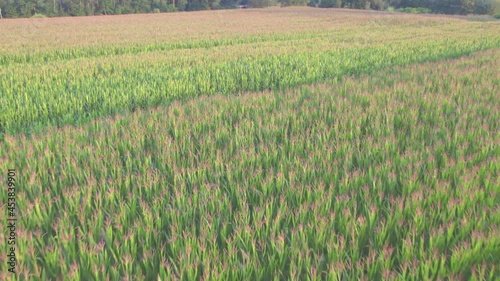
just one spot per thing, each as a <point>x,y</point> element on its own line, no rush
<point>30,102</point>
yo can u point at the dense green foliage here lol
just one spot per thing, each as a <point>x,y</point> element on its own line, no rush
<point>108,91</point>
<point>28,8</point>
<point>414,6</point>
<point>260,3</point>
<point>293,2</point>
<point>414,10</point>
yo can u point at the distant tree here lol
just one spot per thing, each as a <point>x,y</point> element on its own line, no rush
<point>228,4</point>
<point>28,8</point>
<point>313,3</point>
<point>106,7</point>
<point>330,4</point>
<point>261,3</point>
<point>47,7</point>
<point>141,6</point>
<point>22,8</point>
<point>196,5</point>
<point>72,7</point>
<point>378,4</point>
<point>124,7</point>
<point>293,2</point>
<point>181,5</point>
<point>214,4</point>
<point>8,9</point>
<point>159,5</point>
<point>484,7</point>
<point>467,7</point>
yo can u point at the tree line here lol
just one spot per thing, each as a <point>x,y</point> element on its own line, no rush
<point>53,8</point>
<point>462,7</point>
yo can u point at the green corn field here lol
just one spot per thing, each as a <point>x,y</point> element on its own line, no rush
<point>273,144</point>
